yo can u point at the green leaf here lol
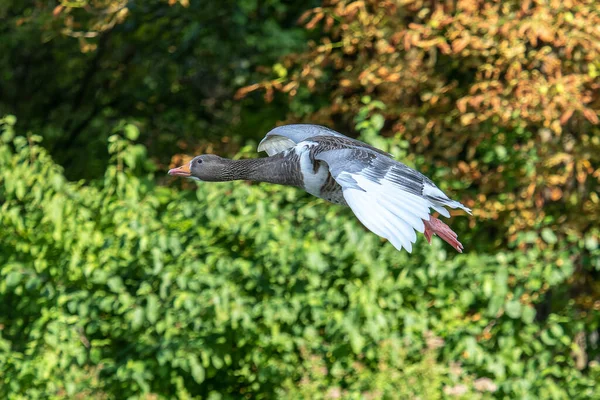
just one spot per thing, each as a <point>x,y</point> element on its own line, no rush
<point>377,120</point>
<point>467,297</point>
<point>548,236</point>
<point>138,318</point>
<point>280,70</point>
<point>217,362</point>
<point>10,120</point>
<point>528,314</point>
<point>557,330</point>
<point>131,132</point>
<point>115,284</point>
<point>547,338</point>
<point>513,309</point>
<point>591,243</point>
<point>357,342</point>
<point>13,279</point>
<point>198,372</point>
<point>152,308</point>
<point>501,152</point>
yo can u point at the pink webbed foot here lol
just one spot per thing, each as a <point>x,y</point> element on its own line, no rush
<point>436,227</point>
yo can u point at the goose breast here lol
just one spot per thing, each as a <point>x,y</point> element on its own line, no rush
<point>316,177</point>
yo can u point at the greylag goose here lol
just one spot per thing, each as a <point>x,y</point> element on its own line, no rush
<point>389,198</point>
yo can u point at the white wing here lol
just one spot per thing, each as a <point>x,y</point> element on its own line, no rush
<point>389,198</point>
<point>389,212</point>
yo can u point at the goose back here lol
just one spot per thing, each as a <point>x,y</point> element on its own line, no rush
<point>286,137</point>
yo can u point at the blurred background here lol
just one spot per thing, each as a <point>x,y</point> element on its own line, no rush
<point>117,281</point>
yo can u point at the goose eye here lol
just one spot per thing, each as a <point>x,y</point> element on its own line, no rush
<point>199,161</point>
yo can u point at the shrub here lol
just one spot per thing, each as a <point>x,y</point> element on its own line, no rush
<point>120,288</point>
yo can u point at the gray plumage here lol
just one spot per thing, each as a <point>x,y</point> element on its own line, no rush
<point>281,169</point>
<point>388,197</point>
<point>287,136</point>
<point>343,154</point>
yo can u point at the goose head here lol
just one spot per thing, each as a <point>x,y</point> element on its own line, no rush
<point>207,168</point>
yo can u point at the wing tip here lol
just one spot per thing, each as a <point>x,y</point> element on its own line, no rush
<point>441,208</point>
<point>435,195</point>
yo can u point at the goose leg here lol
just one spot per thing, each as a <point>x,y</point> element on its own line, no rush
<point>436,227</point>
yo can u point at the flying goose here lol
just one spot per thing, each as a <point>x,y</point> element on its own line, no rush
<point>389,198</point>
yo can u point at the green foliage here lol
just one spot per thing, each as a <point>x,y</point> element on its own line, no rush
<point>126,289</point>
<point>74,70</point>
<point>498,99</point>
<point>122,287</point>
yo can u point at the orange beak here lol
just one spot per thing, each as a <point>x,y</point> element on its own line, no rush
<point>184,170</point>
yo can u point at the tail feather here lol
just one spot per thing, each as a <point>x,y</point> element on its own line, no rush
<point>436,227</point>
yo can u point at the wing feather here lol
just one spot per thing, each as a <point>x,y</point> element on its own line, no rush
<point>285,137</point>
<point>379,220</point>
<point>440,199</point>
<point>441,210</point>
<point>387,211</point>
<point>388,197</point>
<point>275,144</point>
<point>405,213</point>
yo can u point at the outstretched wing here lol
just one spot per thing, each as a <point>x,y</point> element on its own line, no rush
<point>287,136</point>
<point>389,198</point>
